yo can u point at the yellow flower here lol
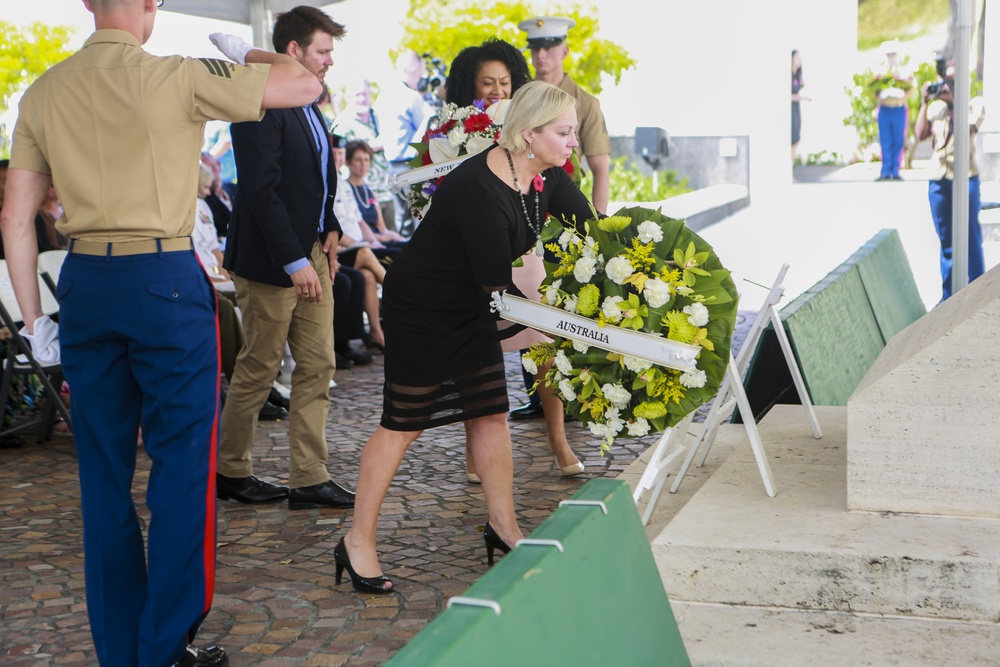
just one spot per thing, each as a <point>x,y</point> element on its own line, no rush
<point>679,328</point>
<point>640,255</point>
<point>588,299</point>
<point>701,338</point>
<point>614,223</point>
<point>650,410</point>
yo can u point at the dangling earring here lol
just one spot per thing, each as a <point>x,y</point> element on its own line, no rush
<point>531,156</point>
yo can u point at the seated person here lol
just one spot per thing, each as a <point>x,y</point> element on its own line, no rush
<point>45,223</point>
<point>358,249</point>
<point>231,338</point>
<point>359,161</point>
<point>205,236</point>
<point>218,198</point>
<point>349,318</point>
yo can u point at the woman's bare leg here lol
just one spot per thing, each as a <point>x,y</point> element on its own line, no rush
<point>489,445</point>
<point>380,460</point>
<point>366,259</point>
<point>372,307</point>
<point>555,423</point>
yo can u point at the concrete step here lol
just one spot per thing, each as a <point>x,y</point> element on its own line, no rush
<point>802,550</point>
<point>727,636</point>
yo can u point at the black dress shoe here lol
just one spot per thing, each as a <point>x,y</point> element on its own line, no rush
<point>528,411</point>
<point>275,398</point>
<point>343,363</point>
<point>359,357</point>
<point>271,412</point>
<point>327,494</point>
<point>213,656</point>
<point>248,489</point>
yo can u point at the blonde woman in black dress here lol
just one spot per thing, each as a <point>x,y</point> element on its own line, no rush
<point>443,360</point>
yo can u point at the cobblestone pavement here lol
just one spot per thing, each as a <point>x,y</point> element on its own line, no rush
<point>276,603</point>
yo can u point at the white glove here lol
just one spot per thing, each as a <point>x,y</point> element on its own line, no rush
<point>235,48</point>
<point>44,342</point>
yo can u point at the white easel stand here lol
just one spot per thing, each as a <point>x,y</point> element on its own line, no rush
<point>732,392</point>
<point>668,448</point>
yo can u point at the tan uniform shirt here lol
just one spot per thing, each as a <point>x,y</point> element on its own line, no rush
<point>592,132</point>
<point>943,139</point>
<point>120,131</point>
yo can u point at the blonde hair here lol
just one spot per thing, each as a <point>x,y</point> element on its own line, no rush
<point>205,176</point>
<point>534,105</point>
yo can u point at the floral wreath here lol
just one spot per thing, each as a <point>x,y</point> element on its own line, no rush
<point>643,271</point>
<point>453,132</point>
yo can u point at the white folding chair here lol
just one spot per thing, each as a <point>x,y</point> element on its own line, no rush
<point>49,265</point>
<point>20,361</point>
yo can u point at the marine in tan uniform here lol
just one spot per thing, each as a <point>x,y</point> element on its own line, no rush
<point>118,132</point>
<point>547,41</point>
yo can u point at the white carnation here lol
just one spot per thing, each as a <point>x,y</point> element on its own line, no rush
<point>562,363</point>
<point>618,269</point>
<point>636,365</point>
<point>529,365</point>
<point>617,394</point>
<point>580,347</point>
<point>564,239</point>
<point>638,428</point>
<point>457,136</point>
<point>585,269</point>
<point>693,379</point>
<point>610,308</point>
<point>697,314</point>
<point>650,231</point>
<point>569,305</point>
<point>566,389</point>
<point>656,292</point>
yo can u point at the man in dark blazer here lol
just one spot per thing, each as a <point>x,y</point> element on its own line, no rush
<point>281,251</point>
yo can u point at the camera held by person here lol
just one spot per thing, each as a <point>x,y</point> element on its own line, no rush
<point>938,88</point>
<point>433,80</point>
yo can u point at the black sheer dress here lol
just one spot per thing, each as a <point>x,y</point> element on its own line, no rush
<point>443,362</point>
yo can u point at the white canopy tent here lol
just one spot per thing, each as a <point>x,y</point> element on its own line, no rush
<point>258,14</point>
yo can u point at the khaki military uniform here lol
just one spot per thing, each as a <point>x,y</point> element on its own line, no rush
<point>120,133</point>
<point>592,132</point>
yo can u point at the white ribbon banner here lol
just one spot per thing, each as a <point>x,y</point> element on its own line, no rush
<point>558,322</point>
<point>426,173</point>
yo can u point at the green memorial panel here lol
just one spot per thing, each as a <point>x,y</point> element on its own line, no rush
<point>837,328</point>
<point>597,600</point>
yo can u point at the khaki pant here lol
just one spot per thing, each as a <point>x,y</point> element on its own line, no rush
<point>271,316</point>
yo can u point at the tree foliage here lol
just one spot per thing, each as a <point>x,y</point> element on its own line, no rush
<point>24,54</point>
<point>442,28</point>
<point>27,52</point>
<point>628,183</point>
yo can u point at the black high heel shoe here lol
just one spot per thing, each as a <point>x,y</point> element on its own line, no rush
<point>493,541</point>
<point>372,343</point>
<point>363,584</point>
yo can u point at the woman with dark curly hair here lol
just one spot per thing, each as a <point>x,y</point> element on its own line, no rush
<point>492,71</point>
